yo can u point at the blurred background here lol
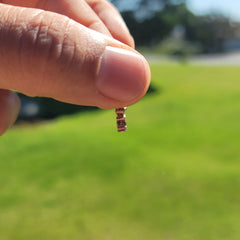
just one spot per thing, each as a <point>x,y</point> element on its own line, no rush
<point>65,172</point>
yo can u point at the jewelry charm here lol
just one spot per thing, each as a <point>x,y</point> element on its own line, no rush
<point>121,119</point>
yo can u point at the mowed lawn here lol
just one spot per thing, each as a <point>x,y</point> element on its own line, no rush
<point>175,175</point>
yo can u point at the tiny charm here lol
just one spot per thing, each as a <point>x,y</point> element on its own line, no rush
<point>121,119</point>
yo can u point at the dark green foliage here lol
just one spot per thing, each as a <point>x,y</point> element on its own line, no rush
<point>211,31</point>
<point>50,108</point>
<point>150,25</point>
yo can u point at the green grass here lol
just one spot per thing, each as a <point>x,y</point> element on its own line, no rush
<point>174,176</point>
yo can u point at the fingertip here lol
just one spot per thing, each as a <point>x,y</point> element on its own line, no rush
<point>112,19</point>
<point>123,76</point>
<point>131,42</point>
<point>127,39</point>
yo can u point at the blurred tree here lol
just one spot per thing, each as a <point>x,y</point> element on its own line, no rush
<point>148,5</point>
<point>211,31</point>
<point>152,21</point>
<point>153,25</point>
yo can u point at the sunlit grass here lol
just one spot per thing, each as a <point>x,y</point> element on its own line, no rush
<point>174,175</point>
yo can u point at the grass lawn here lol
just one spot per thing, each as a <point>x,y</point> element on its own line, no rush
<point>175,175</point>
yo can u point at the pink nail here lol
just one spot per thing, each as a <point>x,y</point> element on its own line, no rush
<point>122,74</point>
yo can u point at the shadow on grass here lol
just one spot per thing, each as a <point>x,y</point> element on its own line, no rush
<point>37,109</point>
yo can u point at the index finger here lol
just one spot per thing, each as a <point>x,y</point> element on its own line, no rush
<point>77,10</point>
<point>107,18</point>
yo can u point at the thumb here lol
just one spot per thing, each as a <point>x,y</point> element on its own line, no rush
<point>47,54</point>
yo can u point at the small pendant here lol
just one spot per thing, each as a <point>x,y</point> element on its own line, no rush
<point>121,119</point>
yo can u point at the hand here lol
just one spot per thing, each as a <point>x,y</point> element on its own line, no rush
<point>76,51</point>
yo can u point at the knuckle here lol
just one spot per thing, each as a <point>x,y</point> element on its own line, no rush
<point>44,44</point>
<point>39,43</point>
<point>43,34</point>
<point>38,37</point>
<point>52,42</point>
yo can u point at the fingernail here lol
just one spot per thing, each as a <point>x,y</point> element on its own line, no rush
<point>122,74</point>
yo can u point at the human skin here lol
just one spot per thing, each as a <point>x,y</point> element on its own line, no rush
<point>75,51</point>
